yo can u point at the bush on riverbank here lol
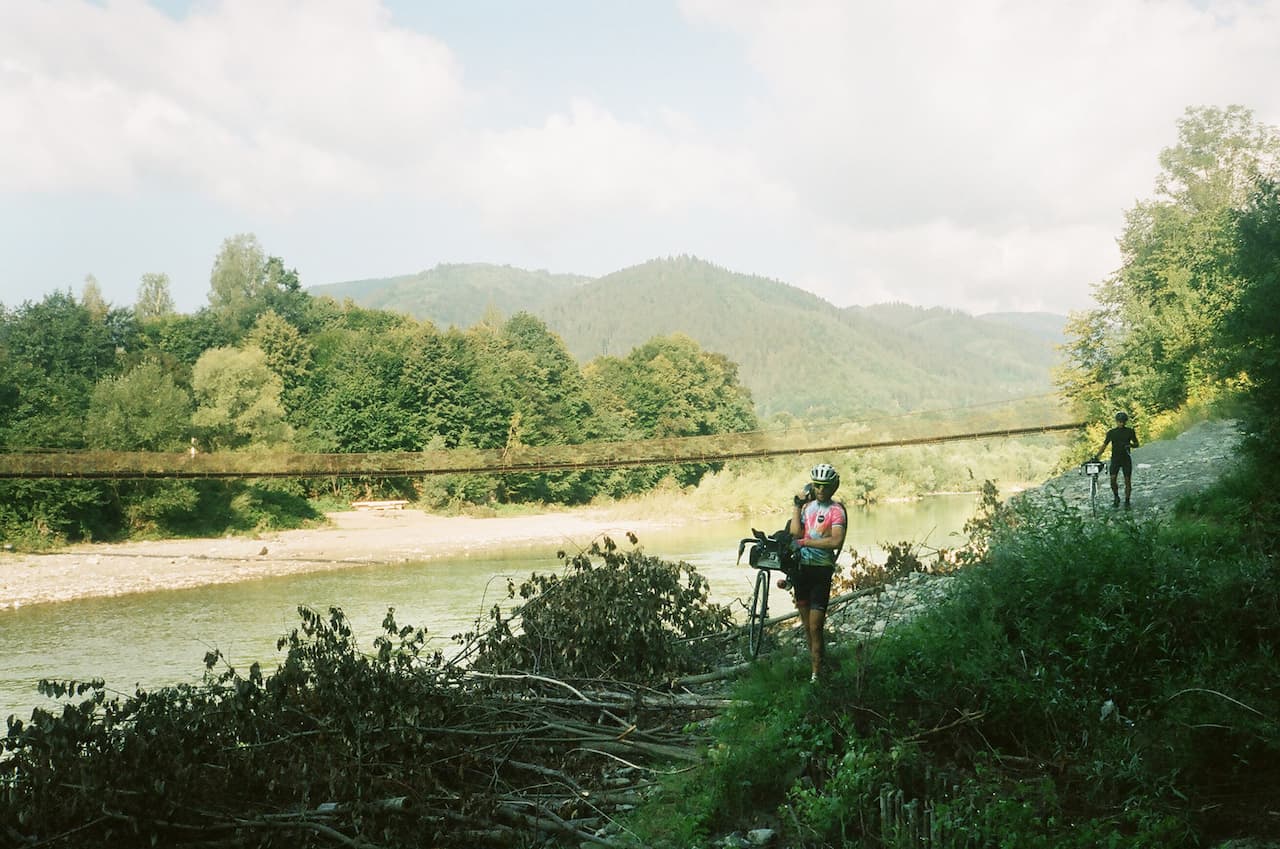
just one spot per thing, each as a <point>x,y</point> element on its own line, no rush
<point>340,747</point>
<point>1090,683</point>
<point>613,614</point>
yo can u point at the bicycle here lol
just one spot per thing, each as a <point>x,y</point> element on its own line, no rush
<point>1093,468</point>
<point>768,554</point>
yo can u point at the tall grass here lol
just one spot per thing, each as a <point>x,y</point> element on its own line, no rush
<point>1088,684</point>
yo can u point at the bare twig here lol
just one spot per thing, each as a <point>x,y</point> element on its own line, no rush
<point>548,822</point>
<point>1219,695</point>
<point>528,677</point>
<point>965,718</point>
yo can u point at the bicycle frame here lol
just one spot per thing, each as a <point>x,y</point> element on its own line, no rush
<point>768,554</point>
<point>1092,468</point>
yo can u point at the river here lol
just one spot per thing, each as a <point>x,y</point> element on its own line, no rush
<point>159,638</point>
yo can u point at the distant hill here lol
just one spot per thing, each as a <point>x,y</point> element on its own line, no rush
<point>457,295</point>
<point>797,353</point>
<point>1048,325</point>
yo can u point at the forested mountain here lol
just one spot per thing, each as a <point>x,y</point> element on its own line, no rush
<point>1048,325</point>
<point>797,353</point>
<point>458,295</point>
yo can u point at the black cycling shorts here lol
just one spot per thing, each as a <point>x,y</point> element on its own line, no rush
<point>812,586</point>
<point>1125,465</point>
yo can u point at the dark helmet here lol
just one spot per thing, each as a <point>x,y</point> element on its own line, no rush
<point>825,473</point>
<point>1122,417</point>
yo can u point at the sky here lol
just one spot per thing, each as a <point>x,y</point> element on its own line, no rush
<point>977,155</point>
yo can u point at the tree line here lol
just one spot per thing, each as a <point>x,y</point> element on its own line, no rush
<point>266,366</point>
<point>1188,321</point>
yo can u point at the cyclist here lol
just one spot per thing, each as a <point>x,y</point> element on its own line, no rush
<point>818,526</point>
<point>1121,438</point>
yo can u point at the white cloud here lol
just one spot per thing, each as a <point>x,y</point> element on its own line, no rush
<point>262,103</point>
<point>977,154</point>
<point>586,162</point>
<point>982,152</point>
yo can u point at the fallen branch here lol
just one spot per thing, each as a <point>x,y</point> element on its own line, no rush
<point>965,718</point>
<point>714,675</point>
<point>527,677</point>
<point>549,823</point>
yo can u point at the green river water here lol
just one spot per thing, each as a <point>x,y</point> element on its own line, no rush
<point>158,638</point>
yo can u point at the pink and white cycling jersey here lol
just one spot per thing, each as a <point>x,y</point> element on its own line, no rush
<point>819,517</point>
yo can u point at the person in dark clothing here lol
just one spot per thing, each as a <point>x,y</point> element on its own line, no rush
<point>1121,438</point>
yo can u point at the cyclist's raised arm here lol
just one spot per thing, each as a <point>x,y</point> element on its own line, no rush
<point>796,525</point>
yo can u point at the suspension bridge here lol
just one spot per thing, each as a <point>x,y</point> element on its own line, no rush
<point>718,448</point>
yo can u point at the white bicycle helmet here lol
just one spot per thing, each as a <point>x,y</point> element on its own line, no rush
<point>824,473</point>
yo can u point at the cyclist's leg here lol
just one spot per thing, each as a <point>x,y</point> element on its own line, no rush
<point>817,640</point>
<point>813,591</point>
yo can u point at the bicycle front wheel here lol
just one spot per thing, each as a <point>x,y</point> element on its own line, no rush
<point>758,613</point>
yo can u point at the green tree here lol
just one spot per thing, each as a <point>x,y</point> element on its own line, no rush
<point>141,410</point>
<point>55,351</point>
<point>237,275</point>
<point>185,337</point>
<point>51,354</point>
<point>238,400</point>
<point>678,389</point>
<point>1153,343</point>
<point>154,298</point>
<point>447,383</point>
<point>670,387</point>
<point>288,353</point>
<point>358,400</point>
<point>91,298</point>
<point>1252,330</point>
<point>245,282</point>
<point>550,407</point>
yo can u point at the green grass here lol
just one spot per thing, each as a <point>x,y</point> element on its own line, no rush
<point>1089,684</point>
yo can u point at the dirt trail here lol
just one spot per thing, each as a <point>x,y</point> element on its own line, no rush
<point>1163,471</point>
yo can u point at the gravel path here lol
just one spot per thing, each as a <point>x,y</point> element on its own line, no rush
<point>1163,471</point>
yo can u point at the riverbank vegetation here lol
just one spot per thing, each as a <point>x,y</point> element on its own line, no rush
<point>548,720</point>
<point>1089,682</point>
<point>1086,684</point>
<point>268,369</point>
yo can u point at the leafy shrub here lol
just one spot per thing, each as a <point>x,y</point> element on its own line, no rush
<point>41,514</point>
<point>176,764</point>
<point>338,747</point>
<point>1086,684</point>
<point>901,559</point>
<point>628,616</point>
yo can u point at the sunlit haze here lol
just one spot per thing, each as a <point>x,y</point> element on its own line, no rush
<point>977,155</point>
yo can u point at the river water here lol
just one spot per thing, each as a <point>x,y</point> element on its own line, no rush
<point>160,638</point>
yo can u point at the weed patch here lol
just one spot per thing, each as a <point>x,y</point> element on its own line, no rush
<point>1085,684</point>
